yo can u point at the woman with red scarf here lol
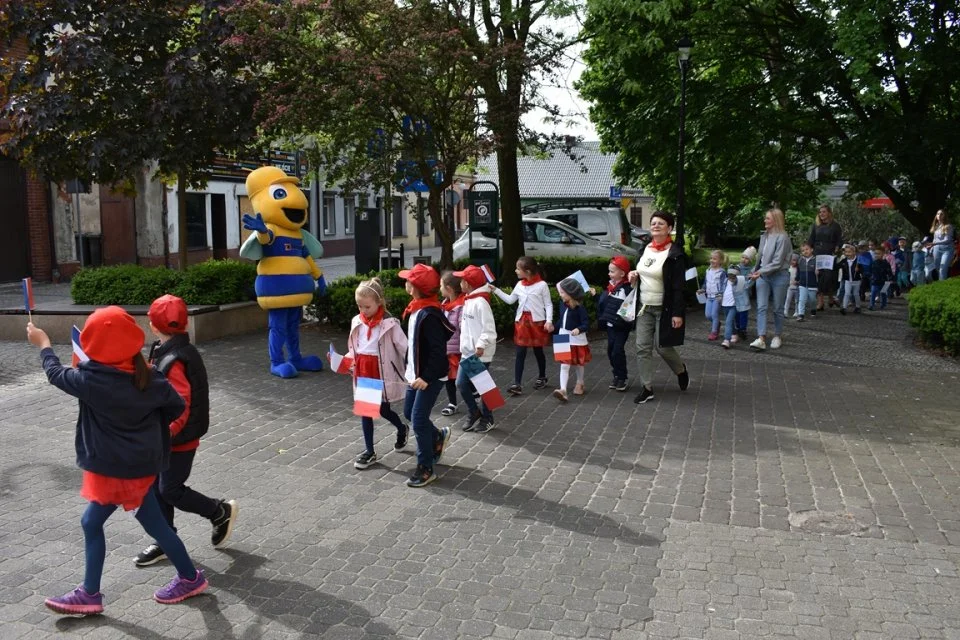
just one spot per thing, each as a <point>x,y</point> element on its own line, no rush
<point>617,328</point>
<point>660,273</point>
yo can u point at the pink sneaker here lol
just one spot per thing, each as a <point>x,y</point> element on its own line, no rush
<point>713,336</point>
<point>179,589</point>
<point>77,602</point>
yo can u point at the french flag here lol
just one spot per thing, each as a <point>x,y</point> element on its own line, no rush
<point>561,348</point>
<point>78,354</point>
<point>487,273</point>
<point>367,397</point>
<point>28,303</point>
<point>339,363</point>
<point>483,382</point>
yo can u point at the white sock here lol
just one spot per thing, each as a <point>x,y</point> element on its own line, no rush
<point>564,376</point>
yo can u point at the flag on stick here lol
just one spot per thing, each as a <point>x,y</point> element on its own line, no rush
<point>78,354</point>
<point>339,363</point>
<point>483,382</point>
<point>367,397</point>
<point>561,348</point>
<point>28,303</point>
<point>487,273</point>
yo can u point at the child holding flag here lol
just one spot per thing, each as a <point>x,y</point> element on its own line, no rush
<point>574,322</point>
<point>478,337</point>
<point>377,346</point>
<point>122,443</point>
<point>452,306</point>
<point>534,321</point>
<point>618,329</point>
<point>427,367</point>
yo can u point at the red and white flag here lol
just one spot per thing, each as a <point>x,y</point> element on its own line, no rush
<point>367,397</point>
<point>78,354</point>
<point>339,363</point>
<point>483,382</point>
<point>561,347</point>
<point>487,273</point>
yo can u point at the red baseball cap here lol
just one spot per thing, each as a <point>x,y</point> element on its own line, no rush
<point>169,314</point>
<point>112,337</point>
<point>473,275</point>
<point>621,262</point>
<point>424,277</point>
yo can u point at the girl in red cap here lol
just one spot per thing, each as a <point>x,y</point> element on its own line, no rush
<point>618,329</point>
<point>534,322</point>
<point>122,443</point>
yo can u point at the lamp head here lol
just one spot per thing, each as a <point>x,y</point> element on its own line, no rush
<point>684,47</point>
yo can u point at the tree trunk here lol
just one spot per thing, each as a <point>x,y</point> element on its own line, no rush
<point>182,220</point>
<point>511,224</point>
<point>434,202</point>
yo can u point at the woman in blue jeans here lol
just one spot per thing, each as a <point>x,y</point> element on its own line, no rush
<point>944,235</point>
<point>772,277</point>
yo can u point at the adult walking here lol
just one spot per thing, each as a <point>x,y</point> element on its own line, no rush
<point>944,235</point>
<point>772,277</point>
<point>660,272</point>
<point>826,237</point>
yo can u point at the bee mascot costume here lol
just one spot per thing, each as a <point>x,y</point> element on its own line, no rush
<point>286,272</point>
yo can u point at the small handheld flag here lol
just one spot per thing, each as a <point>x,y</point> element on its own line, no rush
<point>690,274</point>
<point>581,279</point>
<point>487,273</point>
<point>78,354</point>
<point>561,348</point>
<point>339,363</point>
<point>483,382</point>
<point>367,397</point>
<point>28,303</point>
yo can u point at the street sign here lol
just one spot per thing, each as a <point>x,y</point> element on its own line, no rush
<point>615,193</point>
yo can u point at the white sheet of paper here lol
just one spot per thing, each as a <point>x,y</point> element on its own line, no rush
<point>691,273</point>
<point>579,277</point>
<point>702,298</point>
<point>825,262</point>
<point>579,340</point>
<point>885,288</point>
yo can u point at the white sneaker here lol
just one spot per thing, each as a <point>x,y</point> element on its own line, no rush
<point>759,344</point>
<point>725,344</point>
<point>775,343</point>
<point>735,338</point>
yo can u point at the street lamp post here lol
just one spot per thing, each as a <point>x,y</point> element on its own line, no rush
<point>683,51</point>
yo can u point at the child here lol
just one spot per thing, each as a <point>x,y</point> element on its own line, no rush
<point>747,264</point>
<point>452,305</point>
<point>865,259</point>
<point>714,281</point>
<point>918,262</point>
<point>902,256</point>
<point>849,275</point>
<point>533,323</point>
<point>377,345</point>
<point>478,336</point>
<point>880,272</point>
<point>806,281</point>
<point>728,303</point>
<point>122,443</point>
<point>617,328</point>
<point>427,367</point>
<point>794,287</point>
<point>573,321</point>
<point>929,263</point>
<point>180,362</point>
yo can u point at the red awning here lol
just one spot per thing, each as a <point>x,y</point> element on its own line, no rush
<point>877,203</point>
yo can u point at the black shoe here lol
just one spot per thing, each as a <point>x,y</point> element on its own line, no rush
<point>857,310</point>
<point>402,435</point>
<point>471,422</point>
<point>540,383</point>
<point>645,395</point>
<point>683,379</point>
<point>843,312</point>
<point>365,460</point>
<point>223,523</point>
<point>485,425</point>
<point>613,383</point>
<point>743,334</point>
<point>421,477</point>
<point>814,313</point>
<point>515,390</point>
<point>621,384</point>
<point>151,555</point>
<point>440,444</point>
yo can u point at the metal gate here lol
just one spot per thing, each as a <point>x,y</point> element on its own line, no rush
<point>15,240</point>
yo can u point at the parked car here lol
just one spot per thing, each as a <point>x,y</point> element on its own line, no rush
<point>643,236</point>
<point>546,238</point>
<point>600,222</point>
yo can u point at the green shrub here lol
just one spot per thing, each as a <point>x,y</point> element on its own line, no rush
<point>218,282</point>
<point>935,313</point>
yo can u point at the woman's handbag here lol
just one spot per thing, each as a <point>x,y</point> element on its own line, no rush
<point>628,308</point>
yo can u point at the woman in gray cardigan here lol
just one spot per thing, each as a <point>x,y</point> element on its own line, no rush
<point>772,277</point>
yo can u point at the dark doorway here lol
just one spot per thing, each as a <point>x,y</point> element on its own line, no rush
<point>118,227</point>
<point>14,241</point>
<point>218,224</point>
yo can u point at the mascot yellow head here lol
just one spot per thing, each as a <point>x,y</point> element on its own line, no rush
<point>277,197</point>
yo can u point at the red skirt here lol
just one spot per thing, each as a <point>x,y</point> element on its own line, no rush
<point>580,354</point>
<point>527,333</point>
<point>125,492</point>
<point>367,366</point>
<point>453,365</point>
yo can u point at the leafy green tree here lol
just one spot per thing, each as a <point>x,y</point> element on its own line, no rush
<point>866,86</point>
<point>108,86</point>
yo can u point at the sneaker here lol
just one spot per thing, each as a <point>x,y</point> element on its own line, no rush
<point>560,395</point>
<point>449,410</point>
<point>439,446</point>
<point>151,555</point>
<point>515,390</point>
<point>621,384</point>
<point>683,379</point>
<point>725,344</point>
<point>540,383</point>
<point>578,390</point>
<point>365,460</point>
<point>814,313</point>
<point>645,395</point>
<point>77,602</point>
<point>179,589</point>
<point>843,311</point>
<point>421,477</point>
<point>799,318</point>
<point>223,523</point>
<point>485,425</point>
<point>613,383</point>
<point>759,344</point>
<point>402,436</point>
<point>471,422</point>
<point>735,338</point>
<point>776,342</point>
<point>713,336</point>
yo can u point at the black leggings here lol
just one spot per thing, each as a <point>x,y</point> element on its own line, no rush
<point>452,391</point>
<point>521,358</point>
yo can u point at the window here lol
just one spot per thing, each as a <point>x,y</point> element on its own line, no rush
<point>197,221</point>
<point>349,212</point>
<point>593,225</point>
<point>329,214</point>
<point>399,222</point>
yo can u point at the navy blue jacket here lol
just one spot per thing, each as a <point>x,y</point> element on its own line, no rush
<point>431,333</point>
<point>122,432</point>
<point>807,271</point>
<point>576,318</point>
<point>607,306</point>
<point>880,272</point>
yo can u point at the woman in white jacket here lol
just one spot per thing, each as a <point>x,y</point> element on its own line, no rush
<point>533,324</point>
<point>478,337</point>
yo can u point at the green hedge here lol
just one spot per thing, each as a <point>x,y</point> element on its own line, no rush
<point>935,313</point>
<point>210,282</point>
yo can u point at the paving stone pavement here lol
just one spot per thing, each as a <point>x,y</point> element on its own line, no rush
<point>712,513</point>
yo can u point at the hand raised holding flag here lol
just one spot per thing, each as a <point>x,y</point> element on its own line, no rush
<point>37,337</point>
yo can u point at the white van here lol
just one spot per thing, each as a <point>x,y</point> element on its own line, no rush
<point>602,221</point>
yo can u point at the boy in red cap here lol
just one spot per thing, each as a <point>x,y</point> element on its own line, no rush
<point>176,358</point>
<point>478,337</point>
<point>618,329</point>
<point>427,367</point>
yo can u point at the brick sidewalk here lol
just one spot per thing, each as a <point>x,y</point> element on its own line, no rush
<point>715,513</point>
